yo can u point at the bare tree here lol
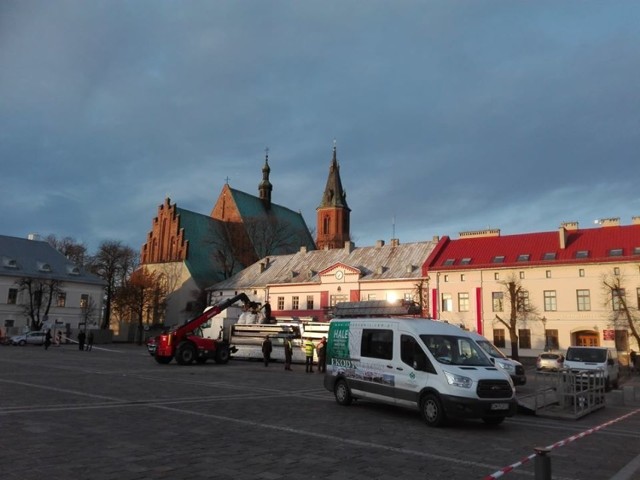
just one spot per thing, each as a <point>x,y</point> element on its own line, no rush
<point>113,263</point>
<point>270,235</point>
<point>421,295</point>
<point>70,248</point>
<point>40,293</point>
<point>520,310</point>
<point>88,312</point>
<point>143,297</point>
<point>622,314</point>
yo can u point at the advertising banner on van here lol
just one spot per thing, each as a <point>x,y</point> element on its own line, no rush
<point>338,341</point>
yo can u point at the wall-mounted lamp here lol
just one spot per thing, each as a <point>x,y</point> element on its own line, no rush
<point>339,288</point>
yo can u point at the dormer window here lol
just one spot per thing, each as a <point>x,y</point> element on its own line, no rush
<point>449,261</point>
<point>549,256</point>
<point>523,257</point>
<point>73,270</point>
<point>498,259</point>
<point>615,252</point>
<point>44,267</point>
<point>465,261</point>
<point>9,263</point>
<point>582,254</point>
<point>636,250</point>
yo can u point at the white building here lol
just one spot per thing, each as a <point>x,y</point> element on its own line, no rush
<point>79,295</point>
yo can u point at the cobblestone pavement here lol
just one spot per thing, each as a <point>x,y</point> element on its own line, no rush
<point>114,413</point>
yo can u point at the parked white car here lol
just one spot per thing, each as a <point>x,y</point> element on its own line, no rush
<point>31,338</point>
<point>579,359</point>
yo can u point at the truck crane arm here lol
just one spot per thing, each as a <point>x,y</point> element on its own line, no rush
<point>190,325</point>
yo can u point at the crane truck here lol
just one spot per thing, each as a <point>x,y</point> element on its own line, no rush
<point>186,344</point>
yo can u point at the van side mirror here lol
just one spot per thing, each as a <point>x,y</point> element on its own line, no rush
<point>493,360</point>
<point>610,361</point>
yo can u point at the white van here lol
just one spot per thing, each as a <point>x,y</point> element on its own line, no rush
<point>512,367</point>
<point>579,359</point>
<point>431,366</point>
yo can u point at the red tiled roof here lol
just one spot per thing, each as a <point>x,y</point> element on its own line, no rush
<point>481,251</point>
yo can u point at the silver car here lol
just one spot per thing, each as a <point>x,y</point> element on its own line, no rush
<point>31,338</point>
<point>549,362</point>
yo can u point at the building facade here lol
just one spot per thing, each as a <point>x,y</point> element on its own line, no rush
<point>76,295</point>
<point>564,299</point>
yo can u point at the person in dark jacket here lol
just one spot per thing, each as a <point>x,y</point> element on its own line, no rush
<point>267,348</point>
<point>81,338</point>
<point>321,351</point>
<point>47,339</point>
<point>288,352</point>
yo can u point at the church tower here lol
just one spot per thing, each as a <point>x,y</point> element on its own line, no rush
<point>333,212</point>
<point>265,186</point>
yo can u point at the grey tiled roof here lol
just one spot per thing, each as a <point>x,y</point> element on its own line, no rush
<point>381,263</point>
<point>21,257</point>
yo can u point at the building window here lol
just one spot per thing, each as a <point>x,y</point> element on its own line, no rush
<point>371,296</point>
<point>638,297</point>
<point>336,299</point>
<point>523,257</point>
<point>465,261</point>
<point>616,271</point>
<point>295,303</point>
<point>447,302</point>
<point>449,261</point>
<point>584,300</point>
<point>521,275</point>
<point>582,253</point>
<point>549,256</point>
<point>615,252</point>
<point>408,297</point>
<point>523,300</point>
<point>446,278</point>
<point>9,323</point>
<point>498,259</point>
<point>550,303</point>
<point>325,225</point>
<point>280,303</point>
<point>548,273</point>
<point>309,302</point>
<point>524,338</point>
<point>12,297</point>
<point>617,298</point>
<point>62,300</point>
<point>462,277</point>
<point>463,302</point>
<point>581,272</point>
<point>551,340</point>
<point>496,276</point>
<point>84,300</point>
<point>498,337</point>
<point>497,301</point>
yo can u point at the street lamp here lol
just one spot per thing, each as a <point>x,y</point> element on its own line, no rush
<point>546,338</point>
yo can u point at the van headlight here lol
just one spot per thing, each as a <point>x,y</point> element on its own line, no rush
<point>507,366</point>
<point>458,380</point>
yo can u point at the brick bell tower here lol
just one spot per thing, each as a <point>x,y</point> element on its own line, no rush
<point>333,212</point>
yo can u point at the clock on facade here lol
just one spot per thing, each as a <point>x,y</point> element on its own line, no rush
<point>339,275</point>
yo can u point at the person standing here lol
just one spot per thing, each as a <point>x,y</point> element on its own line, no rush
<point>90,341</point>
<point>47,339</point>
<point>81,338</point>
<point>309,347</point>
<point>321,350</point>
<point>267,312</point>
<point>58,338</point>
<point>288,352</point>
<point>267,348</point>
<point>633,357</point>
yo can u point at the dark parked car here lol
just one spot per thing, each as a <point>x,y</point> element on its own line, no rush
<point>549,362</point>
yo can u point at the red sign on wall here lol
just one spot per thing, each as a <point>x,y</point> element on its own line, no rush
<point>609,334</point>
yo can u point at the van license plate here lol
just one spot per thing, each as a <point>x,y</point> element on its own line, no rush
<point>499,406</point>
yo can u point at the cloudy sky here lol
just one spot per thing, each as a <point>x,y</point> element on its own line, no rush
<point>448,115</point>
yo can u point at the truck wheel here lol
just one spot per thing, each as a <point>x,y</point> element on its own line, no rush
<point>222,354</point>
<point>163,360</point>
<point>432,410</point>
<point>185,353</point>
<point>493,420</point>
<point>342,393</point>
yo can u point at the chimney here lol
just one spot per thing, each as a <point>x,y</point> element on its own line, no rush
<point>409,268</point>
<point>635,220</point>
<point>349,246</point>
<point>609,222</point>
<point>303,249</point>
<point>395,242</point>
<point>564,228</point>
<point>379,243</point>
<point>489,232</point>
<point>436,238</point>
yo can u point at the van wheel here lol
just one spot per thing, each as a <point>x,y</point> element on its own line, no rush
<point>493,420</point>
<point>432,410</point>
<point>342,393</point>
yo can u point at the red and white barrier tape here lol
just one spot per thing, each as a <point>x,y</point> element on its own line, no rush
<point>561,443</point>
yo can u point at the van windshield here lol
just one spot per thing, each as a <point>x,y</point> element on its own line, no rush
<point>577,354</point>
<point>454,350</point>
<point>491,349</point>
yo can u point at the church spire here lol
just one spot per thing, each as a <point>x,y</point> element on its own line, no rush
<point>265,186</point>
<point>333,211</point>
